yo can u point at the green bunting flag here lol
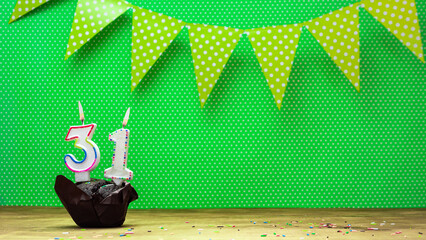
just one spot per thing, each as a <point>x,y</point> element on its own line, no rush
<point>23,7</point>
<point>338,34</point>
<point>400,18</point>
<point>275,48</point>
<point>152,34</point>
<point>90,17</point>
<point>211,47</point>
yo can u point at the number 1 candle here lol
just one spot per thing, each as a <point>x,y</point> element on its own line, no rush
<point>82,136</point>
<point>119,172</point>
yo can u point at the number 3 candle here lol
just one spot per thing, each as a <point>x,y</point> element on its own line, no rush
<point>119,172</point>
<point>82,136</point>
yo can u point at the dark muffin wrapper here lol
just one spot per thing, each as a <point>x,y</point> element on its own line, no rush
<point>94,211</point>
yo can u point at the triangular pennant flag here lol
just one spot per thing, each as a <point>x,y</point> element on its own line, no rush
<point>23,7</point>
<point>400,18</point>
<point>338,34</point>
<point>275,48</point>
<point>90,17</point>
<point>152,34</point>
<point>211,48</point>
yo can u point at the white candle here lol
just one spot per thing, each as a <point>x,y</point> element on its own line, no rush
<point>82,136</point>
<point>119,171</point>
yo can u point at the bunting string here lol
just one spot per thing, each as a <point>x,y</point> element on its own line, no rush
<point>212,46</point>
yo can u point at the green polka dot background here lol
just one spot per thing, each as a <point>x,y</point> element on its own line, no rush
<point>328,146</point>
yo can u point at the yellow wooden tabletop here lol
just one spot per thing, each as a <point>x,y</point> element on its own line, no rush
<point>55,223</point>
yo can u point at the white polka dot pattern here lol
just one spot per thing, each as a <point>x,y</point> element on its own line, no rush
<point>211,47</point>
<point>90,17</point>
<point>151,35</point>
<point>328,147</point>
<point>275,48</point>
<point>400,18</point>
<point>338,34</point>
<point>23,7</point>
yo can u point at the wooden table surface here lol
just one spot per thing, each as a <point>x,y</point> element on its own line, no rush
<point>55,223</point>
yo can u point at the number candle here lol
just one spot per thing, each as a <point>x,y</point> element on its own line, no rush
<point>82,136</point>
<point>119,171</point>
